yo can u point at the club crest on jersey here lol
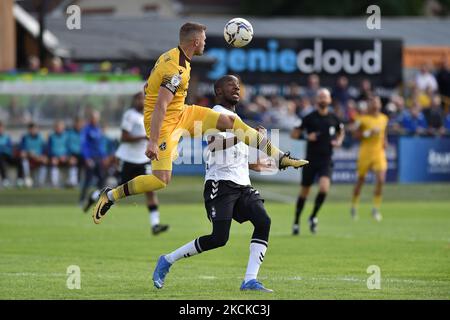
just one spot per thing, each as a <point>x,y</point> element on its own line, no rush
<point>176,80</point>
<point>162,146</point>
<point>332,131</point>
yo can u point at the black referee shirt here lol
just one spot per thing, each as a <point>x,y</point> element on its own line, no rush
<point>326,128</point>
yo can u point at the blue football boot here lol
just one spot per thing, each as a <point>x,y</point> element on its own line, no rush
<point>254,285</point>
<point>161,270</point>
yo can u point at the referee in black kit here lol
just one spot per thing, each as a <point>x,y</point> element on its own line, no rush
<point>323,131</point>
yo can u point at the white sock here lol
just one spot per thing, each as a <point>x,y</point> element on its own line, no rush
<point>73,175</point>
<point>95,195</point>
<point>257,253</point>
<point>154,218</point>
<point>54,173</point>
<point>186,251</point>
<point>42,175</point>
<point>109,194</point>
<point>26,168</point>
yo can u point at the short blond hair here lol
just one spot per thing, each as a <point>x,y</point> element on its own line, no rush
<point>189,29</point>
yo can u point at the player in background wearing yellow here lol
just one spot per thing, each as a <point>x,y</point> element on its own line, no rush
<point>167,117</point>
<point>371,130</point>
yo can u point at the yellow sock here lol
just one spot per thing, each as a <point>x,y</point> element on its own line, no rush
<point>140,184</point>
<point>377,201</point>
<point>253,138</point>
<point>355,201</point>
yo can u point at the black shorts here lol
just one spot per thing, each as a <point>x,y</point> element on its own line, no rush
<point>316,169</point>
<point>226,200</point>
<point>129,171</point>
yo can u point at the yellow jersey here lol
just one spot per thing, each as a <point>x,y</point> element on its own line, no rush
<point>171,71</point>
<point>377,126</point>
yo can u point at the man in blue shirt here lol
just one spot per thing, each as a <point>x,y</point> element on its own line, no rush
<point>32,153</point>
<point>76,160</point>
<point>447,123</point>
<point>414,122</point>
<point>57,151</point>
<point>94,153</point>
<point>6,155</point>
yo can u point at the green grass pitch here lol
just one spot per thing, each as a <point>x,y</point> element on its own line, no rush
<point>411,246</point>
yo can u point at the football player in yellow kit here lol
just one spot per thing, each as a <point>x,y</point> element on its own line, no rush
<point>167,118</point>
<point>371,130</point>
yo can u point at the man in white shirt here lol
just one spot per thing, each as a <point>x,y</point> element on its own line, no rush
<point>228,195</point>
<point>425,79</point>
<point>132,159</point>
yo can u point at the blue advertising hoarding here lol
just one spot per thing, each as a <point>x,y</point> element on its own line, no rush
<point>424,159</point>
<point>410,160</point>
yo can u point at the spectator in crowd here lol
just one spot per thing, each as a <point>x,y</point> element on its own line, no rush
<point>396,111</point>
<point>110,146</point>
<point>70,66</point>
<point>294,91</point>
<point>290,120</point>
<point>32,154</point>
<point>425,79</point>
<point>74,149</point>
<point>255,110</point>
<point>351,112</point>
<point>282,114</point>
<point>306,106</point>
<point>312,88</point>
<point>443,79</point>
<point>56,65</point>
<point>93,151</point>
<point>435,117</point>
<point>447,123</point>
<point>341,94</point>
<point>413,122</point>
<point>424,98</point>
<point>365,90</point>
<point>58,152</point>
<point>6,156</point>
<point>34,64</point>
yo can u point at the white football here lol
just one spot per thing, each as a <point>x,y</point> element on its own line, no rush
<point>238,32</point>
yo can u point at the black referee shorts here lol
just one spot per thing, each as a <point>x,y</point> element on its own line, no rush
<point>316,169</point>
<point>226,200</point>
<point>129,171</point>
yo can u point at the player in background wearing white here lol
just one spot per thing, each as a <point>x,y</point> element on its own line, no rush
<point>228,195</point>
<point>132,159</point>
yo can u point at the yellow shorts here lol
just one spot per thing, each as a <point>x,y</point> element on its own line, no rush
<point>192,121</point>
<point>375,161</point>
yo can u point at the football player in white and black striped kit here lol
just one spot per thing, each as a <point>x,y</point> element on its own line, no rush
<point>228,195</point>
<point>132,159</point>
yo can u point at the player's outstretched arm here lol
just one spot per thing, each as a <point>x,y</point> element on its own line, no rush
<point>164,98</point>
